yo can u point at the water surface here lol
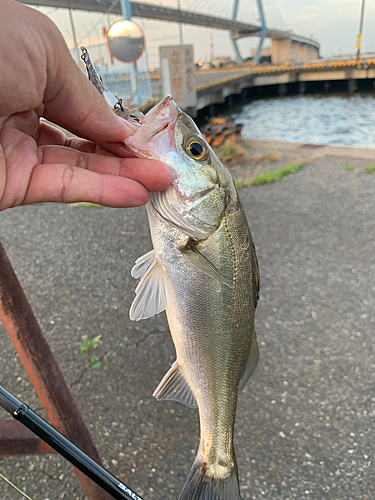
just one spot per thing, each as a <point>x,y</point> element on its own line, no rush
<point>319,119</point>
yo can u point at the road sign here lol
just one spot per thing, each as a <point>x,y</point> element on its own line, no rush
<point>178,74</point>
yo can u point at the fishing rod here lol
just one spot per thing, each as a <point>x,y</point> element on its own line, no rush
<point>65,448</point>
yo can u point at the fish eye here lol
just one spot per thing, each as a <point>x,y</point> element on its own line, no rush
<point>196,148</point>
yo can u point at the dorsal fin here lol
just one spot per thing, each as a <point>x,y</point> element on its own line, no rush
<point>252,362</point>
<point>256,274</point>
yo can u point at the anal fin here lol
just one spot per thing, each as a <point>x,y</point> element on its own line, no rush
<point>173,386</point>
<point>252,362</point>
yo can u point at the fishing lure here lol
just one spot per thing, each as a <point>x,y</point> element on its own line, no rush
<point>133,115</point>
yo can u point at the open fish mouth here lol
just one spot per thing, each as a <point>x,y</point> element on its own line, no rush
<point>164,115</point>
<point>159,120</point>
<point>161,117</point>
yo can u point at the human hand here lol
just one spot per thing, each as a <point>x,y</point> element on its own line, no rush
<point>38,163</point>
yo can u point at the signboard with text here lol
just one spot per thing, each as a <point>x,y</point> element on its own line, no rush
<point>178,74</point>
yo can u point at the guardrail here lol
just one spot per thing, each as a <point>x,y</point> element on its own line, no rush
<point>287,68</point>
<point>337,63</point>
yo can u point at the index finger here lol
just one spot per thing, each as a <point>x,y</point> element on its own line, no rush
<point>152,174</point>
<point>72,101</point>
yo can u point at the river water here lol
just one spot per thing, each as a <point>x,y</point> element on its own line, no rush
<point>335,120</point>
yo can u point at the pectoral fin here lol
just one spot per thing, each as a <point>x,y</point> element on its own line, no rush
<point>151,293</point>
<point>252,362</point>
<point>192,253</point>
<point>174,387</point>
<point>142,264</point>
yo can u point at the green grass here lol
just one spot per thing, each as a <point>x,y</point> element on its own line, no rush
<point>369,169</point>
<point>231,152</point>
<point>266,157</point>
<point>349,167</point>
<point>273,176</point>
<point>242,184</point>
<point>86,347</point>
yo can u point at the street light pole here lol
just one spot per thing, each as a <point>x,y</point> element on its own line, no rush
<point>180,22</point>
<point>359,36</point>
<point>76,50</point>
<point>126,12</point>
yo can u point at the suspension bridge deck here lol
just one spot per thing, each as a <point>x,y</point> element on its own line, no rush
<point>157,12</point>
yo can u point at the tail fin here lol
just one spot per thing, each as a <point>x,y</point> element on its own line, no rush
<point>201,486</point>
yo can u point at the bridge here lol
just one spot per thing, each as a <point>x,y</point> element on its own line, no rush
<point>325,75</point>
<point>296,67</point>
<point>286,46</point>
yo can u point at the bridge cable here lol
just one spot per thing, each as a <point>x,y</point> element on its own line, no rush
<point>113,4</point>
<point>279,20</point>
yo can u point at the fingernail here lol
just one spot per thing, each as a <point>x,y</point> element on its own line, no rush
<point>128,151</point>
<point>130,127</point>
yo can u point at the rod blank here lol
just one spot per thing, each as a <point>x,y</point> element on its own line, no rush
<point>65,448</point>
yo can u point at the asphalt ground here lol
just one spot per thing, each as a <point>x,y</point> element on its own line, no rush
<point>305,421</point>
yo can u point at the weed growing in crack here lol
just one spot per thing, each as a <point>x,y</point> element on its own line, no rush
<point>86,348</point>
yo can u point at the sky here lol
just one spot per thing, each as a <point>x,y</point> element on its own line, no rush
<point>334,23</point>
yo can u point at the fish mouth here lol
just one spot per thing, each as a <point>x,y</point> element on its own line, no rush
<point>162,116</point>
<point>149,137</point>
<point>160,119</point>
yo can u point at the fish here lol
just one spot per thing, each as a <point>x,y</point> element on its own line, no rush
<point>204,272</point>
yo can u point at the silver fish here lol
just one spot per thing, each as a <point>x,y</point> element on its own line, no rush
<point>204,272</point>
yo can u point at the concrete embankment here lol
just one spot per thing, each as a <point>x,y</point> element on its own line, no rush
<point>263,156</point>
<point>314,150</point>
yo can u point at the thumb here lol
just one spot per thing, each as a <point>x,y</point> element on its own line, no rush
<point>73,102</point>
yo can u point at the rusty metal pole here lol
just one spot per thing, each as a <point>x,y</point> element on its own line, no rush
<point>43,370</point>
<point>16,439</point>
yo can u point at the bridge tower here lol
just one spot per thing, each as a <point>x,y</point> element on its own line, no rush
<point>262,32</point>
